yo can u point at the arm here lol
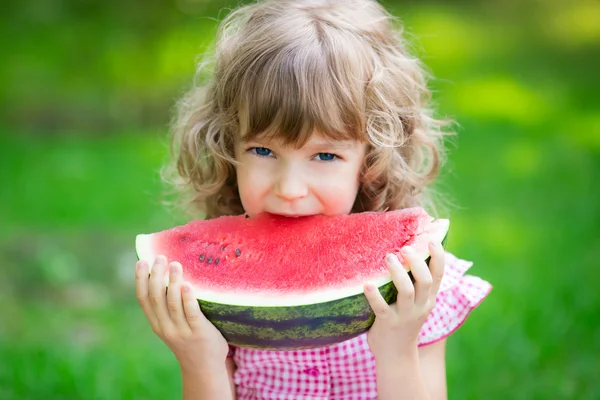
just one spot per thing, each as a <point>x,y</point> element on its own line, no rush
<point>433,367</point>
<point>418,375</point>
<point>230,365</point>
<point>405,371</point>
<point>176,318</point>
<point>211,383</point>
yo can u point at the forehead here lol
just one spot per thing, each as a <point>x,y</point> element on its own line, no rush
<point>291,91</point>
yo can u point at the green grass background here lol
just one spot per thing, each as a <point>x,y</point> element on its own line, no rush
<point>85,101</point>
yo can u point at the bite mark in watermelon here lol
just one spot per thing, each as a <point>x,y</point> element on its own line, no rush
<point>287,283</point>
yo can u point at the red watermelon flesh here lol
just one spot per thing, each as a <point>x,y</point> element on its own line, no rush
<point>273,260</point>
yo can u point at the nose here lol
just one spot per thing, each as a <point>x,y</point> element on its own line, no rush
<point>290,184</point>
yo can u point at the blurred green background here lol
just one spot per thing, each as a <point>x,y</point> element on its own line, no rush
<point>87,90</point>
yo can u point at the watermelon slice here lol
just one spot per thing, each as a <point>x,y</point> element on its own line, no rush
<point>286,283</point>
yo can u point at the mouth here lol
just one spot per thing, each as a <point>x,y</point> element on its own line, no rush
<point>291,215</point>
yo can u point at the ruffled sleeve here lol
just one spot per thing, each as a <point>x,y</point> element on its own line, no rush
<point>459,294</point>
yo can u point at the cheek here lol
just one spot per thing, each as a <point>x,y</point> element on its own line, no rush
<point>244,181</point>
<point>251,187</point>
<point>340,198</point>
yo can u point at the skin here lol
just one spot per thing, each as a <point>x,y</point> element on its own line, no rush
<point>322,177</point>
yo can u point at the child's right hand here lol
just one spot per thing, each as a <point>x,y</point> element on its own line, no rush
<point>175,316</point>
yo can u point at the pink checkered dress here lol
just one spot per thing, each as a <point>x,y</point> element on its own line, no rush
<point>346,371</point>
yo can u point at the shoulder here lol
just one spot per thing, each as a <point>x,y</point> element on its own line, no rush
<point>459,294</point>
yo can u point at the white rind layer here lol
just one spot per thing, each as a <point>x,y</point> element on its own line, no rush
<point>436,231</point>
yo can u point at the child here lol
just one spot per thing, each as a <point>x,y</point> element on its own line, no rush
<point>315,107</point>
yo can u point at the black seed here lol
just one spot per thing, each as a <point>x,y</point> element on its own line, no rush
<point>223,248</point>
<point>247,216</point>
<point>209,261</point>
<point>217,260</point>
<point>238,252</point>
<point>202,257</point>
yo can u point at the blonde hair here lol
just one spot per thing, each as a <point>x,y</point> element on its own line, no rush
<point>287,68</point>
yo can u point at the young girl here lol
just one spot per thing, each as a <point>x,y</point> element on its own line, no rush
<point>315,107</point>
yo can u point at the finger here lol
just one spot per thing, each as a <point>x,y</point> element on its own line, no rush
<point>437,264</point>
<point>141,292</point>
<point>378,304</point>
<point>191,308</point>
<point>174,301</point>
<point>421,274</point>
<point>406,290</point>
<point>157,293</point>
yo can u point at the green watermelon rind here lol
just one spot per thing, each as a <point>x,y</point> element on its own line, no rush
<point>295,327</point>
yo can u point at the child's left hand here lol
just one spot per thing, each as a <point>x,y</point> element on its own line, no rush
<point>396,328</point>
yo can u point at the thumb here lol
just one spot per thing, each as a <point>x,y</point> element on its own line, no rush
<point>378,304</point>
<point>193,315</point>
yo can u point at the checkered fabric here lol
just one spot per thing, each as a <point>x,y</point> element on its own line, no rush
<point>346,371</point>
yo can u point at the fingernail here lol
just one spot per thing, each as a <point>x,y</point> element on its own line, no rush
<point>369,287</point>
<point>407,250</point>
<point>186,288</point>
<point>391,257</point>
<point>174,268</point>
<point>140,265</point>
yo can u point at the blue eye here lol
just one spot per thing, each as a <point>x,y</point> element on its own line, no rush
<point>326,156</point>
<point>261,151</point>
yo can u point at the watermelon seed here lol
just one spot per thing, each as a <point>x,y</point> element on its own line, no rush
<point>238,252</point>
<point>217,261</point>
<point>209,260</point>
<point>223,248</point>
<point>202,257</point>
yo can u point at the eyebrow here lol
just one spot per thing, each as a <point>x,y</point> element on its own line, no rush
<point>341,145</point>
<point>311,145</point>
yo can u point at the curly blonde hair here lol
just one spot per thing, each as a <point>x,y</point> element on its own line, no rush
<point>288,68</point>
